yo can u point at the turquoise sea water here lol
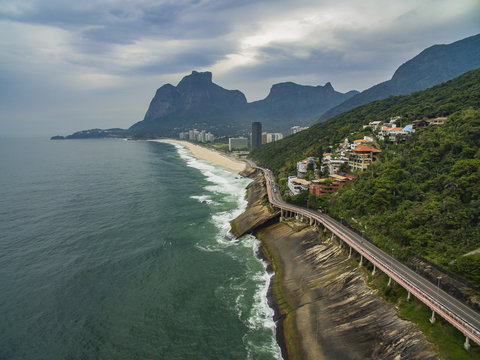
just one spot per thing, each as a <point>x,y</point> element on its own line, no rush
<point>114,249</point>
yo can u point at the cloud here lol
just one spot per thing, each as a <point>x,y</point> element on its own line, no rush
<point>82,51</point>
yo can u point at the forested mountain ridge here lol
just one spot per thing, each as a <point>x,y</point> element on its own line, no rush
<point>432,66</point>
<point>422,196</point>
<point>441,100</point>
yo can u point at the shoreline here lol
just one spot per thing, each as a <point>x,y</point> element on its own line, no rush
<point>244,169</point>
<point>320,297</point>
<point>210,155</point>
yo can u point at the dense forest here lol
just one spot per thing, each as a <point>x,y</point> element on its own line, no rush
<point>423,195</point>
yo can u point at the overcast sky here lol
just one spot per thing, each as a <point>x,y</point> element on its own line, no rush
<point>72,65</point>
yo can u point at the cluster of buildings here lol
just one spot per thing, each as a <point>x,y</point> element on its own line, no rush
<point>357,156</point>
<point>390,131</point>
<point>195,135</point>
<point>316,186</point>
<point>258,138</point>
<point>240,143</point>
<point>319,187</point>
<point>354,156</point>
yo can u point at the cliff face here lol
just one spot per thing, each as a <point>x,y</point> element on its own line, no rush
<point>332,313</point>
<point>196,102</point>
<point>194,94</point>
<point>329,311</point>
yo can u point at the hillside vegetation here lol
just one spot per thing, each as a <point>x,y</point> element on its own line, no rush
<point>423,196</point>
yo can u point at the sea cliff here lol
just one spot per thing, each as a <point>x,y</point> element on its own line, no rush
<point>327,310</point>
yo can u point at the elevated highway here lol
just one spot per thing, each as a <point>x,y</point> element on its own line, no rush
<point>455,312</point>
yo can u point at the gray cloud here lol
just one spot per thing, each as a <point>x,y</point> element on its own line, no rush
<point>79,52</point>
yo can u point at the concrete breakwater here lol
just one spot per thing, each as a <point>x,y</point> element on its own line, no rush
<point>328,312</point>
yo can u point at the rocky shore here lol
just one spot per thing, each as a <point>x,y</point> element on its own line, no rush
<point>327,310</point>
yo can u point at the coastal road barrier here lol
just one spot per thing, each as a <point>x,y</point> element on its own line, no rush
<point>457,314</point>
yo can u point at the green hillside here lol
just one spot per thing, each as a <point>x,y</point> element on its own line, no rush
<point>441,100</point>
<point>423,195</point>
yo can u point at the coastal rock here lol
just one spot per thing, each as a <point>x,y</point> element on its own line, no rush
<point>257,213</point>
<point>331,312</point>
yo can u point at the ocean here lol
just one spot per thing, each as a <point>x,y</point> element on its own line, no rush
<point>115,249</point>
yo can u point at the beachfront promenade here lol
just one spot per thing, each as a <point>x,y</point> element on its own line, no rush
<point>442,304</point>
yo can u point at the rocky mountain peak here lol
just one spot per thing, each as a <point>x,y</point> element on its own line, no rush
<point>195,79</point>
<point>328,87</point>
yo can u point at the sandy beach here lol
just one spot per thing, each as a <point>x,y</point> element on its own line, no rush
<point>212,156</point>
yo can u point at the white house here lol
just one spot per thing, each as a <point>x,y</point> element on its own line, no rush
<point>296,185</point>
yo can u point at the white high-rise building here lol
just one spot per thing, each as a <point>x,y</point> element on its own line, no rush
<point>271,137</point>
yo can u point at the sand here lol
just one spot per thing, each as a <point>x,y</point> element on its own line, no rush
<point>212,156</point>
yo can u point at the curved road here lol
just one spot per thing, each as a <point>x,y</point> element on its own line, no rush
<point>459,315</point>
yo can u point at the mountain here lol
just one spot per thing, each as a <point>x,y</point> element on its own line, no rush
<point>195,102</point>
<point>423,195</point>
<point>290,104</point>
<point>432,66</point>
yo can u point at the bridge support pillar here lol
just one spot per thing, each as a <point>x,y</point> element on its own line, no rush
<point>409,295</point>
<point>466,345</point>
<point>389,281</point>
<point>281,215</point>
<point>350,253</point>
<point>311,221</point>
<point>432,319</point>
<point>374,268</point>
<point>361,260</point>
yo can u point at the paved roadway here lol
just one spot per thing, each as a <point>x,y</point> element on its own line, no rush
<point>458,314</point>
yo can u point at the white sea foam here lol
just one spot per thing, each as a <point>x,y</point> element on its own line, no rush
<point>225,189</point>
<point>204,199</point>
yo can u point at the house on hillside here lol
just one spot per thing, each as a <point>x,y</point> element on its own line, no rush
<point>374,125</point>
<point>333,183</point>
<point>297,185</point>
<point>390,133</point>
<point>437,121</point>
<point>333,162</point>
<point>362,156</point>
<point>358,142</point>
<point>302,166</point>
<point>417,124</point>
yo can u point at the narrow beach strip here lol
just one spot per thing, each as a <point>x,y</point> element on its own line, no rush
<point>212,156</point>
